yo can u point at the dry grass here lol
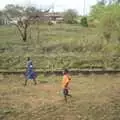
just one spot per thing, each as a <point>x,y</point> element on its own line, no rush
<point>95,97</point>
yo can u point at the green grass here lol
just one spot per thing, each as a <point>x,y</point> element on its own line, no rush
<point>57,47</point>
<point>95,97</point>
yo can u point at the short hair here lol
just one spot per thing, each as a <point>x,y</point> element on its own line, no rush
<point>66,71</point>
<point>28,58</point>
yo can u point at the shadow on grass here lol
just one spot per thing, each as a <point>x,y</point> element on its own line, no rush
<point>4,112</point>
<point>43,82</point>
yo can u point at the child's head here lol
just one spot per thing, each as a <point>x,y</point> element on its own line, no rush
<point>65,71</point>
<point>28,58</point>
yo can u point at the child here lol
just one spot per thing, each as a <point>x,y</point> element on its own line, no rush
<point>65,83</point>
<point>30,74</point>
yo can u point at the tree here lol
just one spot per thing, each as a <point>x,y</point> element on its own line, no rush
<point>16,15</point>
<point>84,22</point>
<point>97,10</point>
<point>117,1</point>
<point>1,17</point>
<point>14,10</point>
<point>21,16</point>
<point>102,2</point>
<point>109,19</point>
<point>70,15</point>
<point>31,10</point>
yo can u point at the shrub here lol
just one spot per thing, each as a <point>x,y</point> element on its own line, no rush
<point>84,22</point>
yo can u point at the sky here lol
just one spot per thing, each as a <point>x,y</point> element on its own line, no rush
<point>59,5</point>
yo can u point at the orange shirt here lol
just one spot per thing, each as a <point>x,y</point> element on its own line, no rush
<point>66,80</point>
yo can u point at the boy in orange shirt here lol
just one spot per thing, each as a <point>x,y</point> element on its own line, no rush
<point>65,83</point>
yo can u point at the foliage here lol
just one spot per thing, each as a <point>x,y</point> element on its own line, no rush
<point>14,11</point>
<point>84,22</point>
<point>109,20</point>
<point>58,46</point>
<point>70,16</point>
<point>96,11</point>
<point>31,10</point>
<point>1,17</point>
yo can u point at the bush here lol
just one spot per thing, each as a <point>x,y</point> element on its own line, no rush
<point>109,20</point>
<point>70,16</point>
<point>84,22</point>
<point>50,23</point>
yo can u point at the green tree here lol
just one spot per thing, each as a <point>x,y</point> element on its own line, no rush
<point>97,10</point>
<point>70,15</point>
<point>31,10</point>
<point>13,10</point>
<point>21,17</point>
<point>102,2</point>
<point>21,20</point>
<point>1,17</point>
<point>109,19</point>
<point>84,22</point>
<point>17,11</point>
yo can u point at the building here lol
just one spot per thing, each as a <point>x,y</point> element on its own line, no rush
<point>44,17</point>
<point>55,16</point>
<point>4,20</point>
<point>47,17</point>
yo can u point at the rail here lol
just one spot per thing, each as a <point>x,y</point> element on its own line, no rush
<point>72,71</point>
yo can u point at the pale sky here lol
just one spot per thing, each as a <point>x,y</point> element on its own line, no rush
<point>59,5</point>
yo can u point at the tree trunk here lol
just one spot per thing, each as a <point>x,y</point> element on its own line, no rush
<point>25,33</point>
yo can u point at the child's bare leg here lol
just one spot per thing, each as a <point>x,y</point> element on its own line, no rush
<point>69,95</point>
<point>25,82</point>
<point>65,92</point>
<point>35,81</point>
<point>65,97</point>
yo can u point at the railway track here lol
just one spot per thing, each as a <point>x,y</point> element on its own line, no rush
<point>72,71</point>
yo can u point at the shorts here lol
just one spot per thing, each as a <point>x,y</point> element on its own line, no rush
<point>30,75</point>
<point>65,91</point>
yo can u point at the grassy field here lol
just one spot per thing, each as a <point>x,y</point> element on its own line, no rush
<point>57,47</point>
<point>95,97</point>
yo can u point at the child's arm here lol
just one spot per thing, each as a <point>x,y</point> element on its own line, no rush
<point>66,85</point>
<point>69,77</point>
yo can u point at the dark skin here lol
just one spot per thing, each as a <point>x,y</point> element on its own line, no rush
<point>28,58</point>
<point>66,87</point>
<point>65,97</point>
<point>35,83</point>
<point>26,77</point>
